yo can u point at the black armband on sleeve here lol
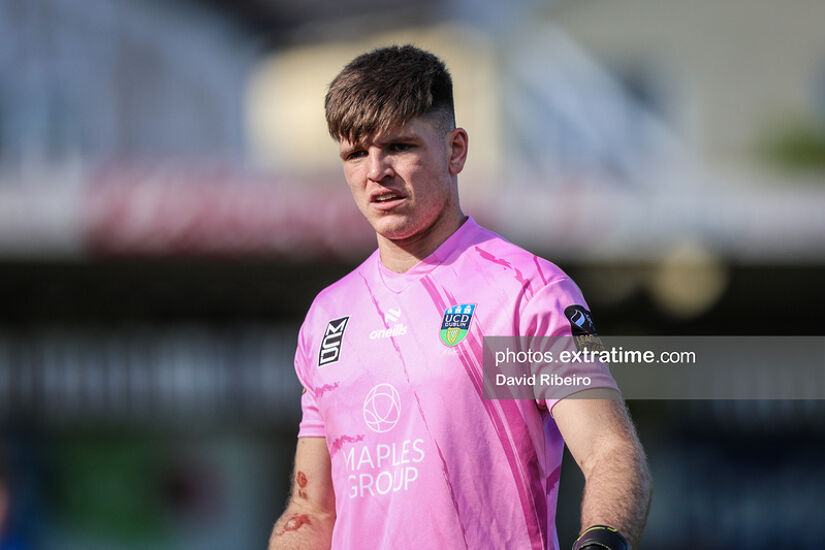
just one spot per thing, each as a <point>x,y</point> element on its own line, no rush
<point>599,537</point>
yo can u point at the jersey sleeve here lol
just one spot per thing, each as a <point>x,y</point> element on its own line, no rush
<point>312,424</point>
<point>560,312</point>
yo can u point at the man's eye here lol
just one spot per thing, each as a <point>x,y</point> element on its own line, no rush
<point>355,155</point>
<point>398,147</point>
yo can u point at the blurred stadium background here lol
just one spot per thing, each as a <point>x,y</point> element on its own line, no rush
<point>170,203</point>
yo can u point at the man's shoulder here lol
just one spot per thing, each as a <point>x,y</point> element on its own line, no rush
<point>342,291</point>
<point>492,248</point>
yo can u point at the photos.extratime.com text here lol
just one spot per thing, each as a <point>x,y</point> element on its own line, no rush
<point>612,356</point>
<point>655,367</point>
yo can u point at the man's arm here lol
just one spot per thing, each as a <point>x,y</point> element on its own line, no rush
<point>604,444</point>
<point>307,522</point>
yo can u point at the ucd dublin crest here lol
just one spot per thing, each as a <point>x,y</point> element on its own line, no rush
<point>456,323</point>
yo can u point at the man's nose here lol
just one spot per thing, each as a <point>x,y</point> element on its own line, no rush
<point>379,166</point>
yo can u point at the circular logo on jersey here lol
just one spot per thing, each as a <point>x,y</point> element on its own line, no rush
<point>382,408</point>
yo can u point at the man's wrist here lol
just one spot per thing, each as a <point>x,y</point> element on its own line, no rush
<point>600,537</point>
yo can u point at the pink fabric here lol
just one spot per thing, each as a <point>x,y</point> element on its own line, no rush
<point>419,459</point>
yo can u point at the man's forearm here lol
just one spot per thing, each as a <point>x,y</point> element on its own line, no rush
<point>617,491</point>
<point>302,529</point>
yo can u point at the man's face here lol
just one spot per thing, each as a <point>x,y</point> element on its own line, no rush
<point>403,180</point>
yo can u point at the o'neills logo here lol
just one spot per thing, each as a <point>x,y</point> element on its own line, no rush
<point>391,317</point>
<point>398,330</point>
<point>331,344</point>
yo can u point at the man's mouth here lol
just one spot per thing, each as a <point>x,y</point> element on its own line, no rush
<point>386,197</point>
<point>386,200</point>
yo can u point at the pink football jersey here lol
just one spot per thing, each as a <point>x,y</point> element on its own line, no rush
<point>392,367</point>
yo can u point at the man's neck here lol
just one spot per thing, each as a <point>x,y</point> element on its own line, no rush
<point>401,255</point>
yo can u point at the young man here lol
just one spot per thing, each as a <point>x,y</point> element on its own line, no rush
<point>397,448</point>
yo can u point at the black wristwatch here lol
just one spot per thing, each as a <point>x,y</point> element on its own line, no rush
<point>601,537</point>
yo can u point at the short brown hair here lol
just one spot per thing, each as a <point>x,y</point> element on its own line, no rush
<point>385,88</point>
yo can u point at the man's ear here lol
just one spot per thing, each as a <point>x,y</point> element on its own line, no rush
<point>457,140</point>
